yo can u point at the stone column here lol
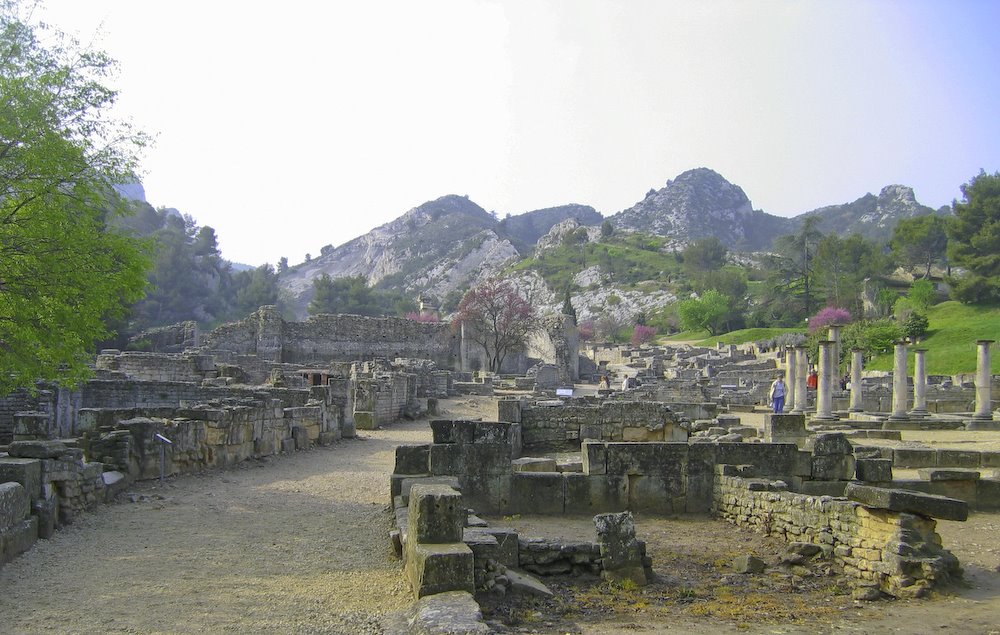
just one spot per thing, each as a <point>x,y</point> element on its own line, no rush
<point>900,389</point>
<point>984,381</point>
<point>790,377</point>
<point>919,384</point>
<point>833,334</point>
<point>857,391</point>
<point>801,370</point>
<point>824,390</point>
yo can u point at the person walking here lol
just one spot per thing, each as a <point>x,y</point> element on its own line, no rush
<point>777,394</point>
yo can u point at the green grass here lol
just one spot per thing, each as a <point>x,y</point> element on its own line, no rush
<point>951,339</point>
<point>685,336</point>
<point>742,336</point>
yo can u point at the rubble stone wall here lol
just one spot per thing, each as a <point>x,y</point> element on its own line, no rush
<point>324,338</point>
<point>561,428</point>
<point>898,552</point>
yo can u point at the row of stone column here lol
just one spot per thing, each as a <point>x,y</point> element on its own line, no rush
<point>796,368</point>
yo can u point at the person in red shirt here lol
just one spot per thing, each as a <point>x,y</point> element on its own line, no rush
<point>812,381</point>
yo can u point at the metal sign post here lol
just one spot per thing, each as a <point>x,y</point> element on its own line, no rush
<point>164,442</point>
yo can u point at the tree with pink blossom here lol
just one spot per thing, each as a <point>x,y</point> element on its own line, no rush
<point>827,316</point>
<point>495,316</point>
<point>642,334</point>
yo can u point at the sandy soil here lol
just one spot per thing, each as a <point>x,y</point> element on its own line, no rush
<point>297,544</point>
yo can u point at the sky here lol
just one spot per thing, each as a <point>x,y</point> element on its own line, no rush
<point>289,126</point>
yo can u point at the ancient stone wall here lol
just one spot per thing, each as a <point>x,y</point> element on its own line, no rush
<point>556,426</point>
<point>898,552</point>
<point>175,338</point>
<point>325,338</point>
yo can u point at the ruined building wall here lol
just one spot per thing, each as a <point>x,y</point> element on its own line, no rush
<point>326,338</point>
<point>898,552</point>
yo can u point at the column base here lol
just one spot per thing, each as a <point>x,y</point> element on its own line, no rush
<point>918,413</point>
<point>982,424</point>
<point>830,417</point>
<point>898,418</point>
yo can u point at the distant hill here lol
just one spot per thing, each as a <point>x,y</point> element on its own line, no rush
<point>874,217</point>
<point>700,203</point>
<point>524,230</point>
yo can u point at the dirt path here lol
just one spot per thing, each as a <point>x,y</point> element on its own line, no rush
<point>295,544</point>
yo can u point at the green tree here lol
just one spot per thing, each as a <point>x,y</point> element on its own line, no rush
<point>64,269</point>
<point>841,266</point>
<point>343,295</point>
<point>975,241</point>
<point>920,241</point>
<point>708,311</point>
<point>253,289</point>
<point>794,267</point>
<point>707,254</point>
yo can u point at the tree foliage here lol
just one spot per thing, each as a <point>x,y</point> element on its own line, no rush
<point>975,241</point>
<point>920,241</point>
<point>343,295</point>
<point>793,267</point>
<point>705,312</point>
<point>706,254</point>
<point>495,316</point>
<point>64,269</point>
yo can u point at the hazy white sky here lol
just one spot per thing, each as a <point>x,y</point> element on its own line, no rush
<point>288,126</point>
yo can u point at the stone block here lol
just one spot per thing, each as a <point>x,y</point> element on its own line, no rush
<point>659,459</point>
<point>989,459</point>
<point>287,446</point>
<point>47,513</point>
<point>539,493</point>
<point>700,478</point>
<point>17,539</point>
<point>587,494</point>
<point>404,483</point>
<point>27,472</point>
<point>942,474</point>
<point>412,459</point>
<point>621,553</point>
<point>784,427</point>
<point>436,515</point>
<point>37,449</point>
<point>437,568</point>
<point>988,494</point>
<point>532,464</point>
<point>832,444</point>
<point>897,500</point>
<point>591,431</point>
<point>957,458</point>
<point>365,421</point>
<point>822,488</point>
<point>446,459</point>
<point>15,504</point>
<point>454,612</point>
<point>914,457</point>
<point>594,454</point>
<point>874,470</point>
<point>506,545</point>
<point>509,410</point>
<point>301,438</point>
<point>655,494</point>
<point>833,467</point>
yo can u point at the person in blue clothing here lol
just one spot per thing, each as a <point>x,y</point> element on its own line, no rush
<point>777,394</point>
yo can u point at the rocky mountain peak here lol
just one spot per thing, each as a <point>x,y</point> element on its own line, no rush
<point>696,204</point>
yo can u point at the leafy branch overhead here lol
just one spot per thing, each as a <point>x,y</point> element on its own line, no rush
<point>64,269</point>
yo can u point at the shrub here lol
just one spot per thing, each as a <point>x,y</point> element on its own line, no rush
<point>872,336</point>
<point>915,326</point>
<point>586,330</point>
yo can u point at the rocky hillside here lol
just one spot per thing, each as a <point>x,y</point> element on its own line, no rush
<point>698,204</point>
<point>438,247</point>
<point>524,230</point>
<point>871,216</point>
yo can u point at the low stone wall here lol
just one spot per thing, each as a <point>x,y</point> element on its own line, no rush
<point>557,426</point>
<point>898,552</point>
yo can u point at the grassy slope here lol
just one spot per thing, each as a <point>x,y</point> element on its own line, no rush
<point>950,342</point>
<point>951,339</point>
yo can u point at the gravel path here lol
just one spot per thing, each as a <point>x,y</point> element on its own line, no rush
<point>291,544</point>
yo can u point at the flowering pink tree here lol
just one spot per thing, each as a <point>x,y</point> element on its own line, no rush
<point>586,330</point>
<point>827,316</point>
<point>496,317</point>
<point>642,334</point>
